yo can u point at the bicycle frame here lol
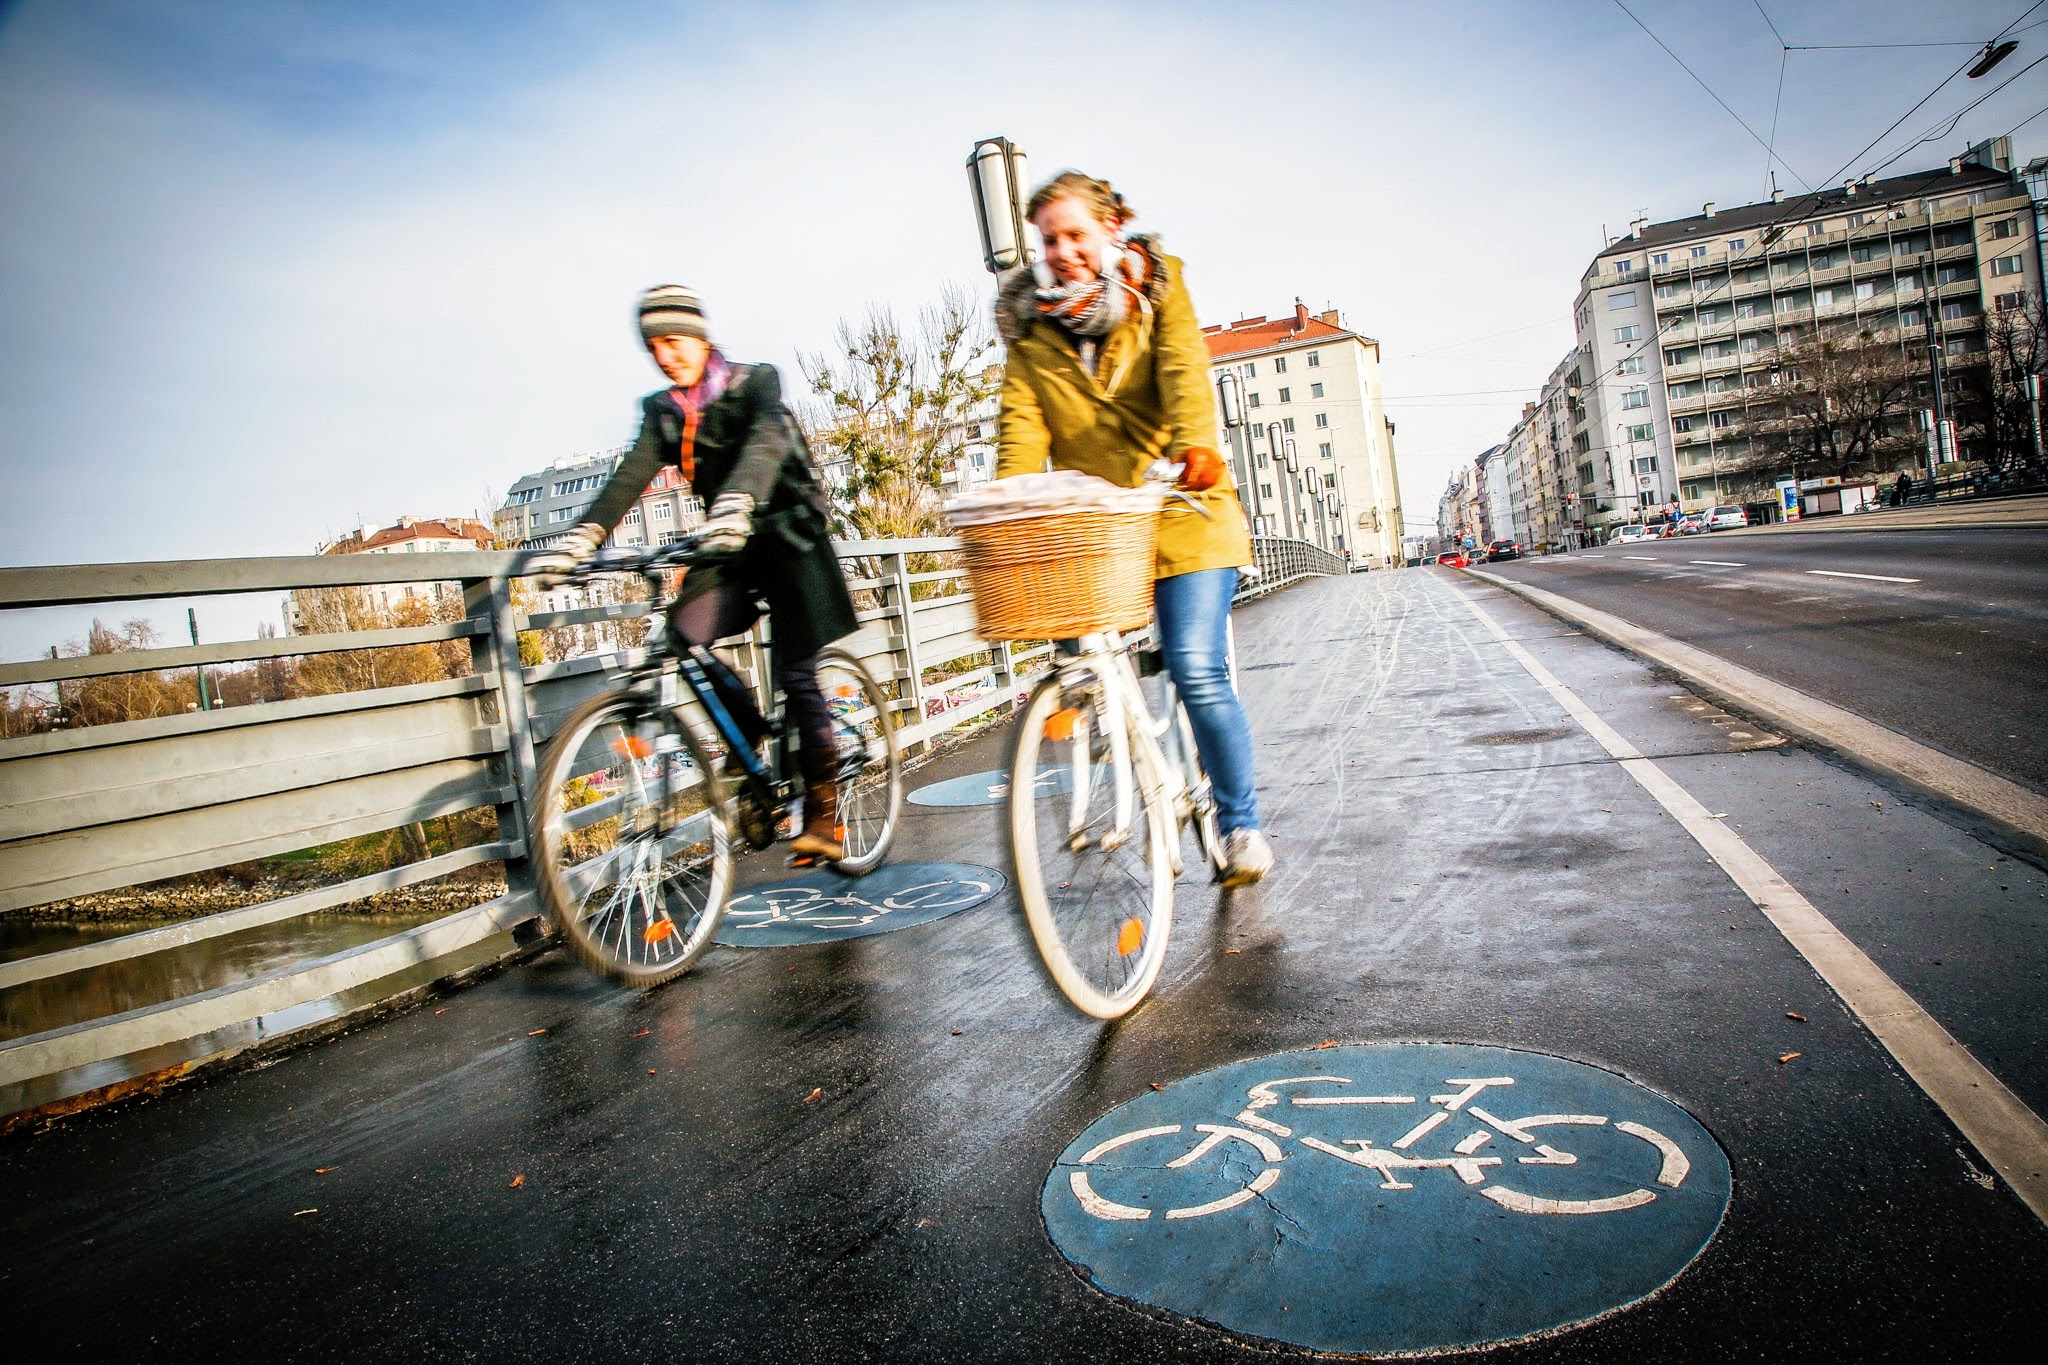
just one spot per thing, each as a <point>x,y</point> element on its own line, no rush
<point>1106,657</point>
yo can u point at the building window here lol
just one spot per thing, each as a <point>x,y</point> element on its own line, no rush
<point>1286,395</point>
<point>1624,298</point>
<point>1909,284</point>
<point>1326,451</point>
<point>2009,302</point>
<point>1823,298</point>
<point>1251,400</point>
<point>1632,365</point>
<point>1287,425</point>
<point>1322,419</point>
<point>1673,322</point>
<point>1667,291</point>
<point>1866,290</point>
<point>561,514</point>
<point>2006,265</point>
<point>1251,369</point>
<point>1315,358</point>
<point>1719,421</point>
<point>1623,267</point>
<point>1746,309</point>
<point>1816,229</point>
<point>1681,424</point>
<point>1910,318</point>
<point>1632,332</point>
<point>1674,357</point>
<point>1955,312</point>
<point>1265,490</point>
<point>664,511</point>
<point>1709,316</point>
<point>632,517</point>
<point>1641,433</point>
<point>1636,398</point>
<point>1857,220</point>
<point>1258,431</point>
<point>1315,390</point>
<point>2006,227</point>
<point>1736,243</point>
<point>1280,366</point>
<point>1699,251</point>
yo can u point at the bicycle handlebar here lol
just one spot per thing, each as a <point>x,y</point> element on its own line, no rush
<point>650,562</point>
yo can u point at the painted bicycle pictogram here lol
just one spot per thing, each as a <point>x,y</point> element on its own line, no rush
<point>1511,1153</point>
<point>777,905</point>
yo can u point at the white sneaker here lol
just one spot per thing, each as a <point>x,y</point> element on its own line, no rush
<point>1246,857</point>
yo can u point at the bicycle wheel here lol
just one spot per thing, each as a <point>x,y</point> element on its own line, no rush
<point>870,763</point>
<point>1096,882</point>
<point>631,839</point>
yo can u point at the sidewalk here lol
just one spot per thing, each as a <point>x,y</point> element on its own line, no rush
<point>2027,510</point>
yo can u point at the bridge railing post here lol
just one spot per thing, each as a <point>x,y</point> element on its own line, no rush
<point>494,654</point>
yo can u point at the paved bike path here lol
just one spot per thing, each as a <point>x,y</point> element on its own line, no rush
<point>840,1149</point>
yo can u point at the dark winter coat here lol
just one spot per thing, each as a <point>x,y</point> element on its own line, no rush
<point>748,442</point>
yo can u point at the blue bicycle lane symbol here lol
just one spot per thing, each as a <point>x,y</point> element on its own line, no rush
<point>825,905</point>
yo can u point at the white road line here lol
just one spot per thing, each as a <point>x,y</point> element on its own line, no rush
<point>1720,563</point>
<point>1593,556</point>
<point>1649,558</point>
<point>1997,1122</point>
<point>1873,577</point>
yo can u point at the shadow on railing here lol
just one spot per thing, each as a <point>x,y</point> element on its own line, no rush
<point>95,811</point>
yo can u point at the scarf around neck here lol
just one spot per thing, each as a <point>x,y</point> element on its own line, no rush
<point>692,401</point>
<point>1093,308</point>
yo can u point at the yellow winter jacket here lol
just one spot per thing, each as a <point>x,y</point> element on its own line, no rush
<point>1149,398</point>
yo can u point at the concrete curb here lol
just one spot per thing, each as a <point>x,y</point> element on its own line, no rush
<point>2013,815</point>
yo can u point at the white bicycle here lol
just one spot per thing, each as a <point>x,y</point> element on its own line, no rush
<point>1256,1132</point>
<point>1095,858</point>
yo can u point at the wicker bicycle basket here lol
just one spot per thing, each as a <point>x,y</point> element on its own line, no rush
<point>1058,576</point>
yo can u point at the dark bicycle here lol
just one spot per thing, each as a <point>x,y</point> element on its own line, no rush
<point>635,820</point>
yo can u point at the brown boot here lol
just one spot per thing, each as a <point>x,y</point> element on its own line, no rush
<point>823,837</point>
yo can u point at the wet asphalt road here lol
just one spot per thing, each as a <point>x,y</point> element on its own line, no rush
<point>1460,862</point>
<point>1957,658</point>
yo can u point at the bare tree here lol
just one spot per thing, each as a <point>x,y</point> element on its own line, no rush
<point>889,407</point>
<point>2017,339</point>
<point>1846,406</point>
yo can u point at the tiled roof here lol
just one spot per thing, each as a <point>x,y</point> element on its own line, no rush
<point>1247,336</point>
<point>451,528</point>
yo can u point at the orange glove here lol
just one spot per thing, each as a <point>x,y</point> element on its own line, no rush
<point>1202,469</point>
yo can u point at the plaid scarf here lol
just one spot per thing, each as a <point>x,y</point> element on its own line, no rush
<point>1093,308</point>
<point>691,403</point>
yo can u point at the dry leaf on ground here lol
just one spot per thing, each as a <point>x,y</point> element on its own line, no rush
<point>1788,1057</point>
<point>815,1094</point>
<point>517,1181</point>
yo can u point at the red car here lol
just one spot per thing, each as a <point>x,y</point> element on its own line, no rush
<point>1454,559</point>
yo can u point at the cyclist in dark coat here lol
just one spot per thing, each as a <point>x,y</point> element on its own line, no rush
<point>738,447</point>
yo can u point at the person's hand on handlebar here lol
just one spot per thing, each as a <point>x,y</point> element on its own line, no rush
<point>1201,469</point>
<point>550,568</point>
<point>730,522</point>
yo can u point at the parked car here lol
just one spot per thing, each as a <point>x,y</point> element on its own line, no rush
<point>1454,559</point>
<point>1726,517</point>
<point>1629,534</point>
<point>1503,549</point>
<point>1693,524</point>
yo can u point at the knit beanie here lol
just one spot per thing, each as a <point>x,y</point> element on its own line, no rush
<point>671,310</point>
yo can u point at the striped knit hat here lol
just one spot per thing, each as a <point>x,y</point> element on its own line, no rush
<point>671,310</point>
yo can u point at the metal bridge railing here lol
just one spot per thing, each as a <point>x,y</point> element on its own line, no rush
<point>100,808</point>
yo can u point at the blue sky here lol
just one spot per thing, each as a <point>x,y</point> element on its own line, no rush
<point>277,269</point>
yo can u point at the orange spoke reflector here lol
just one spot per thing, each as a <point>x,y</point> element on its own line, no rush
<point>1130,936</point>
<point>659,930</point>
<point>1060,724</point>
<point>633,746</point>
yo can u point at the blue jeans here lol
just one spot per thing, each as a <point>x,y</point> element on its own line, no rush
<point>1194,609</point>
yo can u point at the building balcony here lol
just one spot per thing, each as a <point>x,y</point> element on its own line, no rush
<point>1674,374</point>
<point>1721,330</point>
<point>1685,406</point>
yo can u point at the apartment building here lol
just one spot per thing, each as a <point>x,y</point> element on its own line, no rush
<point>542,507</point>
<point>1318,381</point>
<point>1691,332</point>
<point>406,536</point>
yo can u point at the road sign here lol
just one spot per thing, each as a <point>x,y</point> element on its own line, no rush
<point>989,789</point>
<point>820,907</point>
<point>1390,1197</point>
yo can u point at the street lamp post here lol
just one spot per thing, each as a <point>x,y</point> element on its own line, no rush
<point>2033,386</point>
<point>996,173</point>
<point>1276,450</point>
<point>1230,395</point>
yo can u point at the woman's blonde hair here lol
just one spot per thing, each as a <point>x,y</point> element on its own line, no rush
<point>1102,200</point>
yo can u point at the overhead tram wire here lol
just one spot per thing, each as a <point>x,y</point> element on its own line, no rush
<point>1710,91</point>
<point>1951,123</point>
